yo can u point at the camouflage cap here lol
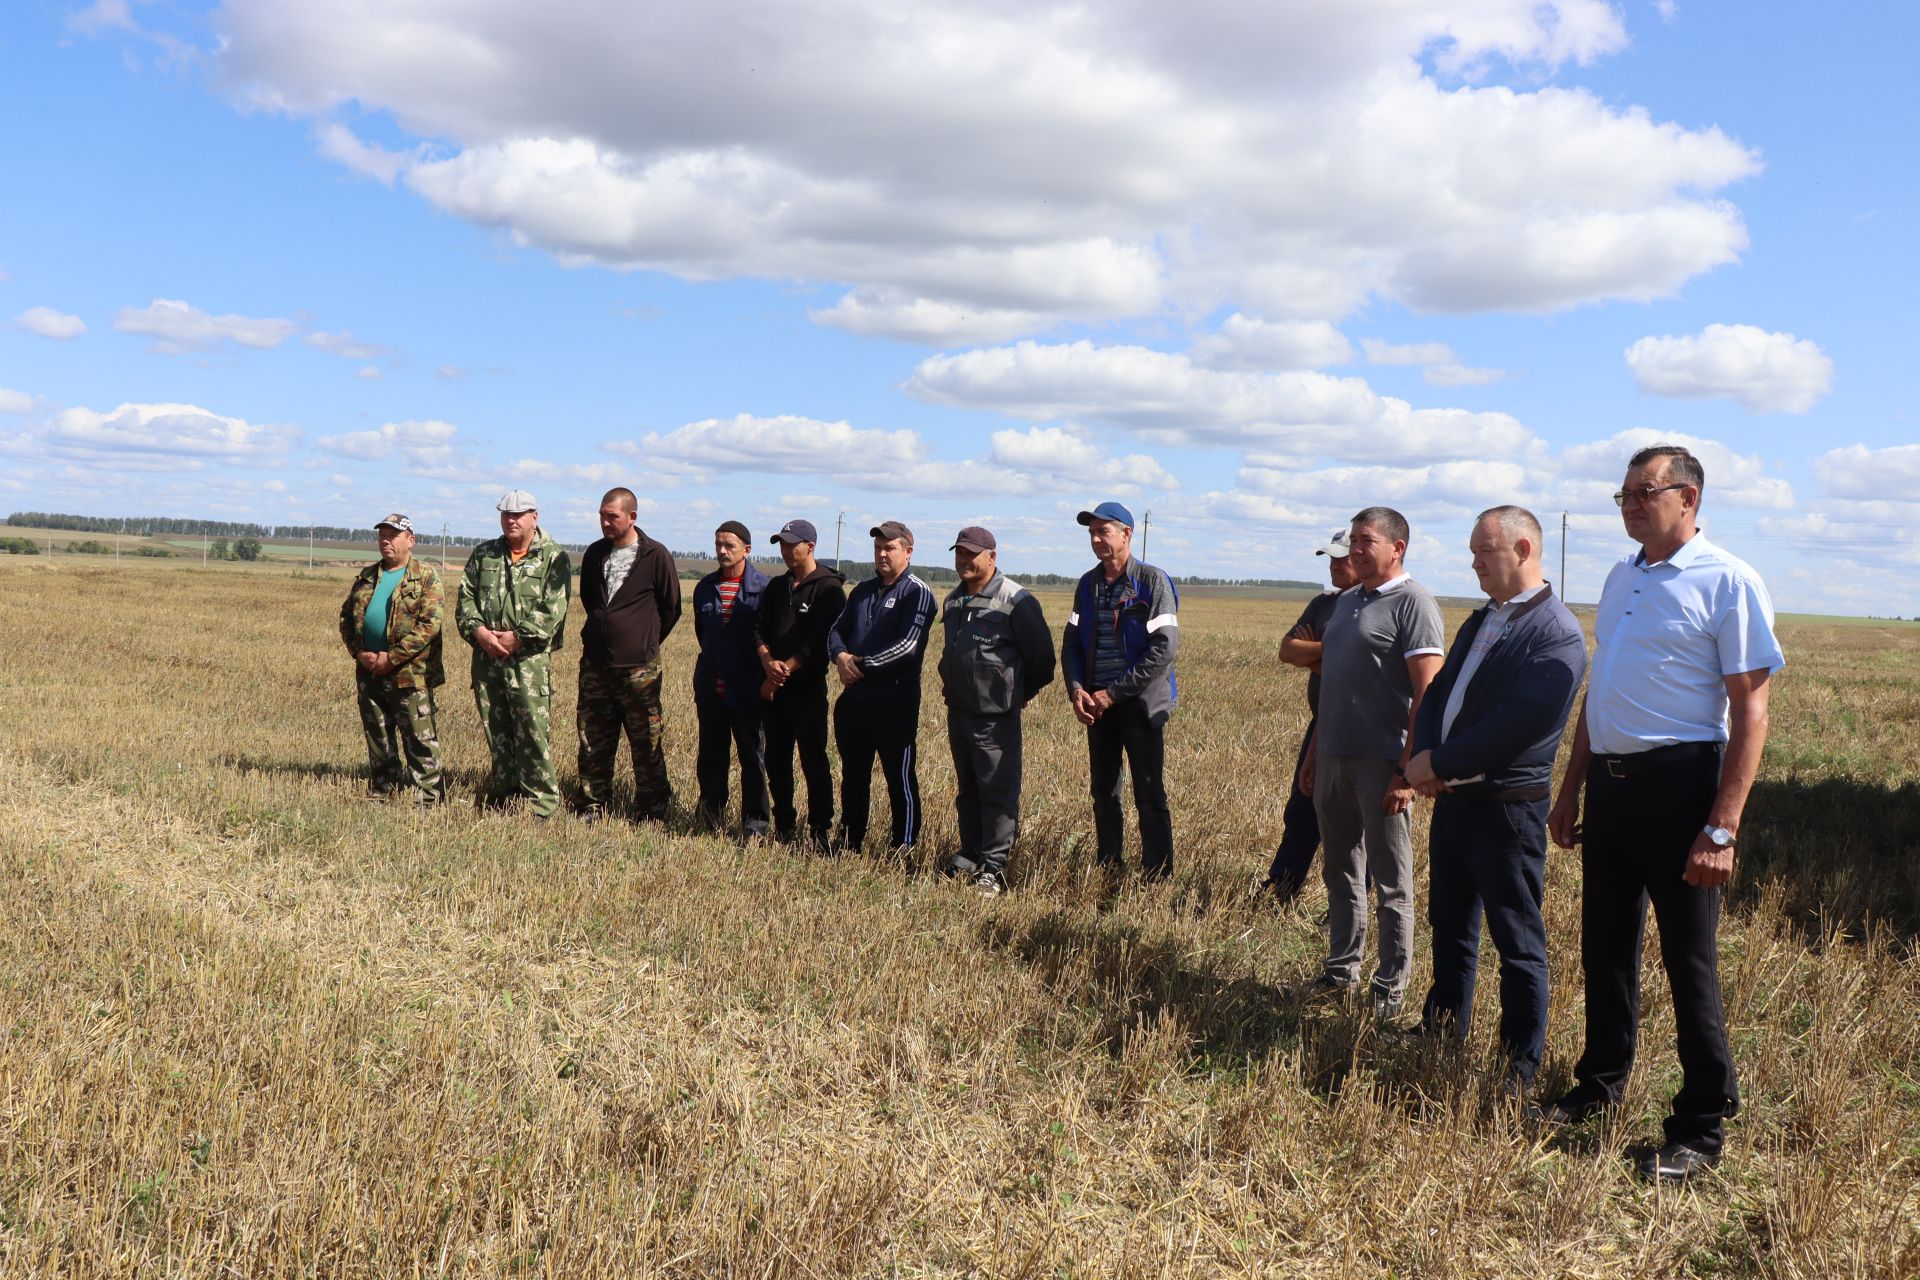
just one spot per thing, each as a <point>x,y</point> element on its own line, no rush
<point>394,521</point>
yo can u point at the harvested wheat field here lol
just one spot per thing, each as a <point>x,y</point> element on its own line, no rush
<point>252,1024</point>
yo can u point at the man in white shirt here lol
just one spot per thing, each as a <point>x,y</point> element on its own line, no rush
<point>1668,743</point>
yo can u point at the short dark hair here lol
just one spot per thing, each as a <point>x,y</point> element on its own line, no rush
<point>1386,520</point>
<point>1683,469</point>
<point>1516,523</point>
<point>623,496</point>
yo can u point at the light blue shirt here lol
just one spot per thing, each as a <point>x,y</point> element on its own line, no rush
<point>1667,636</point>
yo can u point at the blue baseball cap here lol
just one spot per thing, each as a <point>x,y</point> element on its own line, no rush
<point>1108,511</point>
<point>796,531</point>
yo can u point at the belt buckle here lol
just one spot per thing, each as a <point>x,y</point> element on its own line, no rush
<point>1616,767</point>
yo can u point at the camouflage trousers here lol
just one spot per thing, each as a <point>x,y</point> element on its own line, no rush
<point>613,700</point>
<point>403,750</point>
<point>513,698</point>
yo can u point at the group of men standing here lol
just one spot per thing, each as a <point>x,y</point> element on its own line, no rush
<point>766,647</point>
<point>1665,750</point>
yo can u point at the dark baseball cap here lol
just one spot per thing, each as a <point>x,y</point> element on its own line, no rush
<point>891,529</point>
<point>974,538</point>
<point>1108,511</point>
<point>796,531</point>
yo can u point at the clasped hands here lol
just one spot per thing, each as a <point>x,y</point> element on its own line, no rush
<point>498,645</point>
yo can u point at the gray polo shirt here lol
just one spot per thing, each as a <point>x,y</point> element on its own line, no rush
<point>1366,692</point>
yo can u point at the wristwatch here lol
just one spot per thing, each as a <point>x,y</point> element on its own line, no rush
<point>1721,837</point>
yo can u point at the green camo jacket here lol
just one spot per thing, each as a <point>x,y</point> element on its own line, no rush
<point>413,623</point>
<point>528,599</point>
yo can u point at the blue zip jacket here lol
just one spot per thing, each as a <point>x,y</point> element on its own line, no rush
<point>887,628</point>
<point>1517,705</point>
<point>728,649</point>
<point>1148,623</point>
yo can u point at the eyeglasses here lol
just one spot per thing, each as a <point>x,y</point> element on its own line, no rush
<point>1644,494</point>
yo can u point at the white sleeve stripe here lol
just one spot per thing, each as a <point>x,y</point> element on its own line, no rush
<point>1073,619</point>
<point>1415,653</point>
<point>1163,620</point>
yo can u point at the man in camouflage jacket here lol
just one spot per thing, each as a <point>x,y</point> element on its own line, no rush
<point>397,664</point>
<point>513,605</point>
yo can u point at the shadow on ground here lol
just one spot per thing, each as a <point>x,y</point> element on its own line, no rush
<point>1842,851</point>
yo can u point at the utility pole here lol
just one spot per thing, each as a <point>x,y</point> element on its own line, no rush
<point>838,525</point>
<point>1563,557</point>
<point>1146,522</point>
<point>203,546</point>
<point>443,547</point>
<point>309,548</point>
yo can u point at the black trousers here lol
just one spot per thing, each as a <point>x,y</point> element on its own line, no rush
<point>797,718</point>
<point>884,728</point>
<point>986,775</point>
<point>1638,831</point>
<point>1125,729</point>
<point>1488,855</point>
<point>1299,832</point>
<point>726,732</point>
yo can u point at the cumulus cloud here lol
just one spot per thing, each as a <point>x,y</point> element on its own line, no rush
<point>995,170</point>
<point>1407,353</point>
<point>1460,375</point>
<point>1871,475</point>
<point>1247,342</point>
<point>14,401</point>
<point>420,444</point>
<point>177,328</point>
<point>1595,470</point>
<point>1169,399</point>
<point>1764,372</point>
<point>164,436</point>
<point>49,323</point>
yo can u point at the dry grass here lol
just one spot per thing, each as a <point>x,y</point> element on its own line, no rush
<point>253,1025</point>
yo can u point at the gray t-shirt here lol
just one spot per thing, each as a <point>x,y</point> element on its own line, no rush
<point>1315,616</point>
<point>619,563</point>
<point>1365,689</point>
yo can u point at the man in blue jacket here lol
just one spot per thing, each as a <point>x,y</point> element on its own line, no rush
<point>1483,745</point>
<point>877,647</point>
<point>726,682</point>
<point>1117,653</point>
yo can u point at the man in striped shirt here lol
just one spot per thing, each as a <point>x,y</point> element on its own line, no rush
<point>877,646</point>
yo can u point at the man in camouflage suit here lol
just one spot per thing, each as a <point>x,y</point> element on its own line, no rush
<point>513,605</point>
<point>390,623</point>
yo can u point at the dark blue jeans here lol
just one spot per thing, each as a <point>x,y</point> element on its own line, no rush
<point>1488,855</point>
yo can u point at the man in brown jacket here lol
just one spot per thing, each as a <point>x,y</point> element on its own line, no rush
<point>390,623</point>
<point>631,590</point>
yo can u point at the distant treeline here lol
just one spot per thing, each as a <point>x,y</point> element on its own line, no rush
<point>151,526</point>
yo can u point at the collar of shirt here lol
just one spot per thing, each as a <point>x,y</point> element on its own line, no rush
<point>1390,584</point>
<point>1690,550</point>
<point>1522,598</point>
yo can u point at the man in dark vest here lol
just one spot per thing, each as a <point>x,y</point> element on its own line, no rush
<point>726,681</point>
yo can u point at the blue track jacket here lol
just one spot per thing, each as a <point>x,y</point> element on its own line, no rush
<point>887,628</point>
<point>1149,628</point>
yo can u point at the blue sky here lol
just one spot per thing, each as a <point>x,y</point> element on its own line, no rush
<point>1249,266</point>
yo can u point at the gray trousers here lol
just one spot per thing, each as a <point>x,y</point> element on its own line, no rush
<point>1360,837</point>
<point>986,768</point>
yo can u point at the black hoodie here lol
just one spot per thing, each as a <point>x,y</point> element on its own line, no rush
<point>795,616</point>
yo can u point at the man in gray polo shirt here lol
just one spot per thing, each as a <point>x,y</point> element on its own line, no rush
<point>1381,648</point>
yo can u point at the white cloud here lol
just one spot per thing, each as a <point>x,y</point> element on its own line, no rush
<point>103,15</point>
<point>345,345</point>
<point>1764,372</point>
<point>1408,353</point>
<point>1071,457</point>
<point>177,327</point>
<point>339,144</point>
<point>1247,342</point>
<point>14,401</point>
<point>164,436</point>
<point>995,170</point>
<point>370,373</point>
<point>1459,375</point>
<point>49,323</point>
<point>1734,479</point>
<point>1168,399</point>
<point>1871,475</point>
<point>420,444</point>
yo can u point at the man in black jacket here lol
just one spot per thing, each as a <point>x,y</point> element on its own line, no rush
<point>796,610</point>
<point>998,655</point>
<point>1483,746</point>
<point>631,590</point>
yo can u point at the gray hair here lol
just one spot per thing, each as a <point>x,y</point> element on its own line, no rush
<point>1516,523</point>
